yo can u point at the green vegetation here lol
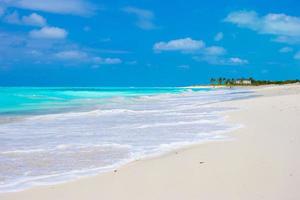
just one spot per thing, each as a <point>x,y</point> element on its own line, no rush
<point>248,81</point>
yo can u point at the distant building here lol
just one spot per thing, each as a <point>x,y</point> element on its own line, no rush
<point>243,82</point>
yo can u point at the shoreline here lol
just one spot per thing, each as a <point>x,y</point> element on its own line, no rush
<point>199,170</point>
<point>251,87</point>
<point>25,183</point>
<point>221,136</point>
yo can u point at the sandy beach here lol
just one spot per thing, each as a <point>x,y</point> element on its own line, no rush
<point>260,161</point>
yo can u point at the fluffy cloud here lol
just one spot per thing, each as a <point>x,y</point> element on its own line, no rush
<point>214,51</point>
<point>222,61</point>
<point>34,53</point>
<point>215,55</point>
<point>297,55</point>
<point>31,20</point>
<point>84,57</point>
<point>219,36</point>
<point>247,19</point>
<point>237,61</point>
<point>280,25</point>
<point>287,39</point>
<point>184,45</point>
<point>71,55</point>
<point>286,50</point>
<point>49,33</point>
<point>144,17</point>
<point>107,61</point>
<point>34,20</point>
<point>75,7</point>
<point>19,48</point>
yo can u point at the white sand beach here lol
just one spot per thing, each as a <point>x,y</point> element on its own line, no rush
<point>259,162</point>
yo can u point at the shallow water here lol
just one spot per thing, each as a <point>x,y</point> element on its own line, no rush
<point>49,135</point>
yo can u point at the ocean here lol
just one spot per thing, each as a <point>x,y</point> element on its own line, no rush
<point>52,135</point>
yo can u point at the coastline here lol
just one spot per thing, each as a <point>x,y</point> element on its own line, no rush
<point>259,162</point>
<point>253,87</point>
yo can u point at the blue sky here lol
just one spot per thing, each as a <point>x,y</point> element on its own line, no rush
<point>146,42</point>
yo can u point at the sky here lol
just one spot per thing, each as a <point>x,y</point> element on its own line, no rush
<point>147,42</point>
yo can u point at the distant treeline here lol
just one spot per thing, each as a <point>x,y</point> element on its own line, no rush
<point>248,81</point>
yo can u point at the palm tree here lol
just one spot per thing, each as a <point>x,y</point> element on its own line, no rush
<point>223,80</point>
<point>220,79</point>
<point>232,81</point>
<point>227,82</point>
<point>212,81</point>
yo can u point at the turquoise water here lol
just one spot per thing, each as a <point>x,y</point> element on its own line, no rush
<point>16,99</point>
<point>52,135</point>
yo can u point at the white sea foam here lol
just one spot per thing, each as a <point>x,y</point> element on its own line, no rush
<point>50,148</point>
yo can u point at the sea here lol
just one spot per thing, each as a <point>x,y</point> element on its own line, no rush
<point>50,135</point>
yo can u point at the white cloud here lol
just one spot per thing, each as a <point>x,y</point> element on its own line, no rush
<point>144,17</point>
<point>287,39</point>
<point>71,55</point>
<point>49,33</point>
<point>223,61</point>
<point>30,20</point>
<point>75,7</point>
<point>247,19</point>
<point>280,25</point>
<point>215,55</point>
<point>286,50</point>
<point>35,53</point>
<point>45,52</point>
<point>107,61</point>
<point>34,20</point>
<point>297,55</point>
<point>238,61</point>
<point>214,51</point>
<point>184,45</point>
<point>219,36</point>
<point>19,48</point>
<point>81,56</point>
